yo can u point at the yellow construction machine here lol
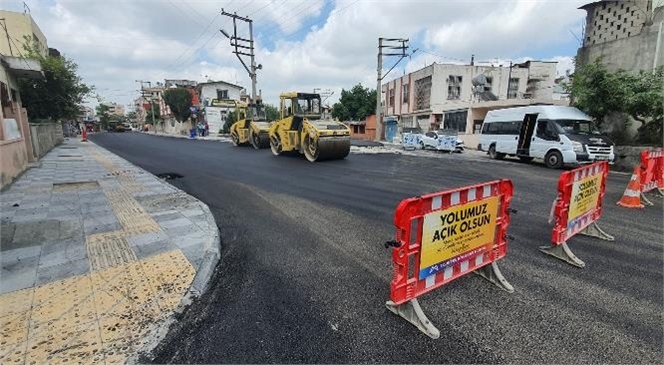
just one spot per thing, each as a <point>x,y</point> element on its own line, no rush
<point>251,126</point>
<point>301,128</point>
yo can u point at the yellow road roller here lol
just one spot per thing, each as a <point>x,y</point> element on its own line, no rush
<point>251,127</point>
<point>301,128</point>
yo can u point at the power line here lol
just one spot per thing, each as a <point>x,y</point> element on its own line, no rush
<point>174,65</point>
<point>281,25</point>
<point>306,26</point>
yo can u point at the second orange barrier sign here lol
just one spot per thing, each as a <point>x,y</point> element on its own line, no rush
<point>577,209</point>
<point>443,236</point>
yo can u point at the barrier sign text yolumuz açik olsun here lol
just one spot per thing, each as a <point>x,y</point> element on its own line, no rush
<point>457,233</point>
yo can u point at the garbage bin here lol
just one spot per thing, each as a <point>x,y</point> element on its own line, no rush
<point>192,133</point>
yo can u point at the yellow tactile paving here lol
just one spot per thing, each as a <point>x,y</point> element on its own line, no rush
<point>14,353</point>
<point>15,301</point>
<point>80,344</point>
<point>108,250</point>
<point>170,274</point>
<point>99,317</point>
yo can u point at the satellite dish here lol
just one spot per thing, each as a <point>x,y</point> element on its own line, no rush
<point>479,80</point>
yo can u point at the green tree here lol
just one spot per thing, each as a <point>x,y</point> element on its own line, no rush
<point>230,119</point>
<point>271,112</point>
<point>599,92</point>
<point>179,100</point>
<point>59,94</point>
<point>132,117</point>
<point>103,115</point>
<point>355,104</point>
<point>148,113</point>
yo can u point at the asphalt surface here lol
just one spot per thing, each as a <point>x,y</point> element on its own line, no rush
<point>304,274</point>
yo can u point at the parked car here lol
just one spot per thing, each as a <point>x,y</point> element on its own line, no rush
<point>128,127</point>
<point>442,140</point>
<point>119,127</point>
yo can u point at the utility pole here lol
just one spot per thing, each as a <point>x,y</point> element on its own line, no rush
<point>393,44</point>
<point>143,94</point>
<point>242,46</point>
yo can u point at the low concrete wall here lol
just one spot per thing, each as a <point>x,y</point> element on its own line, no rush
<point>45,136</point>
<point>13,160</point>
<point>628,157</point>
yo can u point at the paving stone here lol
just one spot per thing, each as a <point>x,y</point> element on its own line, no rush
<point>62,252</point>
<point>173,223</point>
<point>47,274</point>
<point>146,238</point>
<point>35,233</point>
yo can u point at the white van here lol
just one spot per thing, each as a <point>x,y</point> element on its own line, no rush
<point>557,134</point>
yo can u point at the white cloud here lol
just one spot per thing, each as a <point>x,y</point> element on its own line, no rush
<point>117,42</point>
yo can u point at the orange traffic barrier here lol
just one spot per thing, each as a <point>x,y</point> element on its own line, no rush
<point>443,236</point>
<point>632,196</point>
<point>84,135</point>
<point>577,209</point>
<point>652,173</point>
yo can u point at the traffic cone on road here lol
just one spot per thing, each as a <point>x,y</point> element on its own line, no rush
<point>632,196</point>
<point>84,135</point>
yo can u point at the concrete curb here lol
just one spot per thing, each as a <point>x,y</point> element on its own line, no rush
<point>211,256</point>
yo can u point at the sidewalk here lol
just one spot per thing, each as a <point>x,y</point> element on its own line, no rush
<point>97,254</point>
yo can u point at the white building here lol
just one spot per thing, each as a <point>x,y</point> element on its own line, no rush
<point>212,96</point>
<point>443,96</point>
<point>219,90</point>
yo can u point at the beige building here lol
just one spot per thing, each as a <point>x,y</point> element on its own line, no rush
<point>20,27</point>
<point>115,109</point>
<point>450,96</point>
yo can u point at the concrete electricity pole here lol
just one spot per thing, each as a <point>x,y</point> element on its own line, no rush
<point>394,44</point>
<point>143,94</point>
<point>242,46</point>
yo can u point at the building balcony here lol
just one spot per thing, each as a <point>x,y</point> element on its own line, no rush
<point>23,67</point>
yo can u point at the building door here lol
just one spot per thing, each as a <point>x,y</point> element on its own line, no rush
<point>526,134</point>
<point>390,131</point>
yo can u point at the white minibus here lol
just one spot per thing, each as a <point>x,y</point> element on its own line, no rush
<point>556,134</point>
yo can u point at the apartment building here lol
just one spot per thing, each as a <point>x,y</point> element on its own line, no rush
<point>452,96</point>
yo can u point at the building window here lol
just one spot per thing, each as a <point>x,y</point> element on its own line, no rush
<point>454,87</point>
<point>390,101</point>
<point>513,88</point>
<point>404,92</point>
<point>222,94</point>
<point>456,120</point>
<point>423,93</point>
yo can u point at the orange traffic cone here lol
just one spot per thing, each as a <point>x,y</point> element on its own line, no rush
<point>632,196</point>
<point>84,135</point>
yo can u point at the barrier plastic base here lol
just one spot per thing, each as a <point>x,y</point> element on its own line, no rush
<point>412,312</point>
<point>564,253</point>
<point>492,273</point>
<point>593,230</point>
<point>645,200</point>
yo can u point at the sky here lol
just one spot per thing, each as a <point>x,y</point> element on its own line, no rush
<point>301,44</point>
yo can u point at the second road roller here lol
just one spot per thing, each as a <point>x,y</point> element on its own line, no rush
<point>303,129</point>
<point>251,125</point>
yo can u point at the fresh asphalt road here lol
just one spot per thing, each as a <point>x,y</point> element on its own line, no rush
<point>304,275</point>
